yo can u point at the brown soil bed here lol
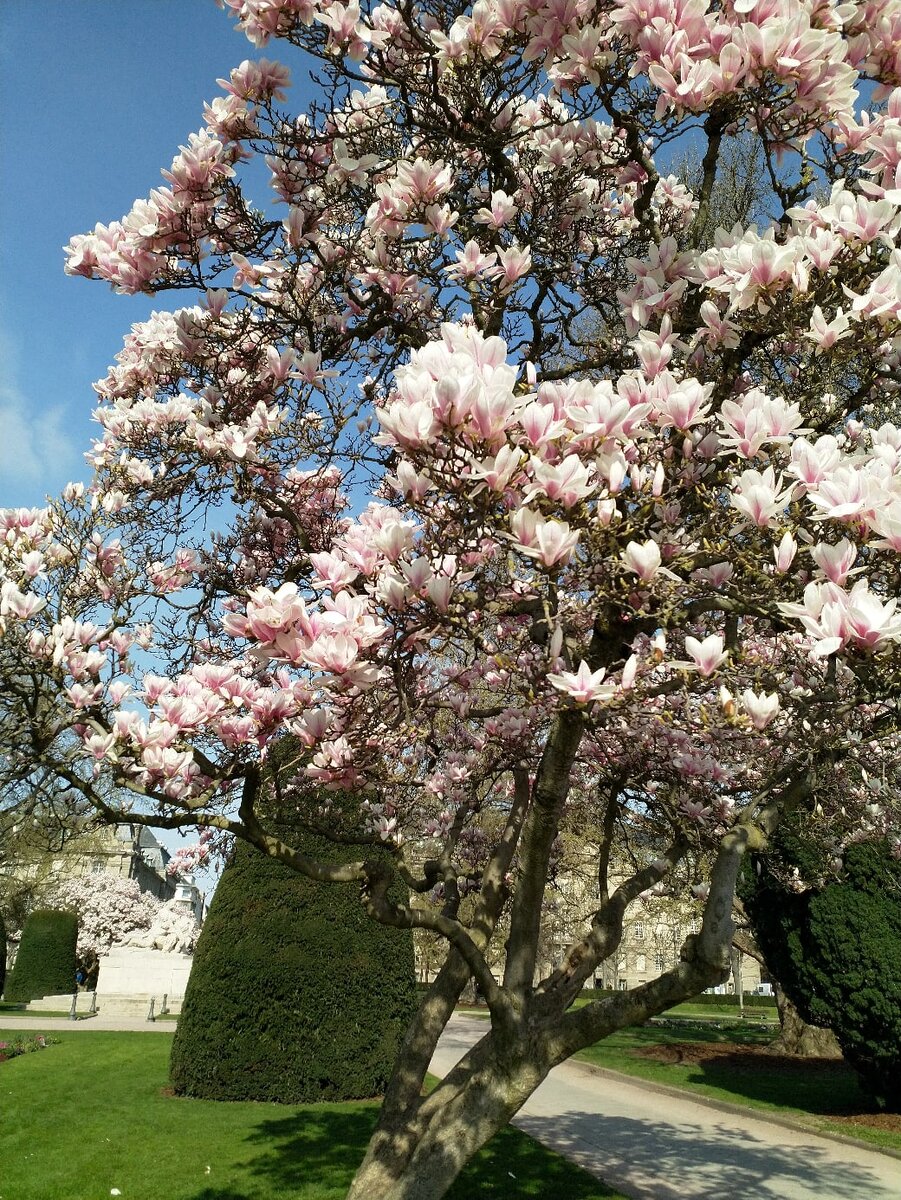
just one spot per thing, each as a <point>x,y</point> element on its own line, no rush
<point>890,1122</point>
<point>726,1054</point>
<point>759,1058</point>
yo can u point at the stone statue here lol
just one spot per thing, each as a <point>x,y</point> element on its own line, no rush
<point>174,929</point>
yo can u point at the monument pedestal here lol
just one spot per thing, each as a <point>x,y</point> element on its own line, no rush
<point>131,976</point>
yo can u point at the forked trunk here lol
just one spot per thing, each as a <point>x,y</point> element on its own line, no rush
<point>421,1159</point>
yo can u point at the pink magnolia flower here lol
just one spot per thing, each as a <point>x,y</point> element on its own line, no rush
<point>835,561</point>
<point>567,481</point>
<point>502,208</point>
<point>761,708</point>
<point>716,575</point>
<point>758,496</point>
<point>695,810</point>
<point>643,559</point>
<point>583,685</point>
<point>785,552</point>
<point>708,654</point>
<point>514,263</point>
<point>19,604</point>
<point>472,264</point>
<point>835,618</point>
<point>550,541</point>
<point>825,333</point>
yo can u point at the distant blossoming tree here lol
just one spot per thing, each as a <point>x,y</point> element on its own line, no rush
<point>111,909</point>
<point>649,571</point>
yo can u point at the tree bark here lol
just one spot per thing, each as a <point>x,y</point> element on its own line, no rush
<point>422,1143</point>
<point>453,1131</point>
<point>797,1037</point>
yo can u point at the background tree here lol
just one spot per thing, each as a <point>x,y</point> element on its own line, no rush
<point>652,571</point>
<point>110,910</point>
<point>45,962</point>
<point>38,820</point>
<point>294,994</point>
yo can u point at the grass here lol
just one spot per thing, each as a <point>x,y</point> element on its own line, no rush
<point>714,1012</point>
<point>807,1092</point>
<point>90,1114</point>
<point>19,1010</point>
<point>10,1009</point>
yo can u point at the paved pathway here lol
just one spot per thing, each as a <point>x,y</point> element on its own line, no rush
<point>653,1146</point>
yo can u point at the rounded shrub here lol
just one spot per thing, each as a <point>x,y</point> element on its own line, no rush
<point>45,963</point>
<point>295,994</point>
<point>837,952</point>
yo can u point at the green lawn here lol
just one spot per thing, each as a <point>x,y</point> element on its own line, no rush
<point>19,1010</point>
<point>810,1092</point>
<point>707,1012</point>
<point>90,1114</point>
<point>724,1012</point>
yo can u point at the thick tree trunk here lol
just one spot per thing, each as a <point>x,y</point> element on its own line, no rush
<point>422,1143</point>
<point>423,1164</point>
<point>797,1037</point>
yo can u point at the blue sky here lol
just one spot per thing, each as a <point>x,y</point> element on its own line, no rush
<point>95,98</point>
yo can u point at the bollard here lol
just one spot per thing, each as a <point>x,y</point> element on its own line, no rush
<point>150,1016</point>
<point>93,1009</point>
<point>72,1013</point>
<point>164,1007</point>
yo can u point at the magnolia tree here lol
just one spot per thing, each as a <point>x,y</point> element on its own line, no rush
<point>111,910</point>
<point>646,572</point>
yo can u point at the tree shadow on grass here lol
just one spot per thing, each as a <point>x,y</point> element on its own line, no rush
<point>823,1087</point>
<point>322,1145</point>
<point>325,1146</point>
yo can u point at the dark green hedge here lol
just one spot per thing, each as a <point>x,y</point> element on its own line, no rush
<point>837,953</point>
<point>45,963</point>
<point>295,994</point>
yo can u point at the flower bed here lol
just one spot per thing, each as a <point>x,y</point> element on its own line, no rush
<point>25,1045</point>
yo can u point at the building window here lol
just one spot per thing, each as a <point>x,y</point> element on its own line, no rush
<point>97,866</point>
<point>641,962</point>
<point>659,962</point>
<point>638,931</point>
<point>622,984</point>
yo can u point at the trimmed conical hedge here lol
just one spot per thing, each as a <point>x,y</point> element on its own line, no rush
<point>295,994</point>
<point>45,963</point>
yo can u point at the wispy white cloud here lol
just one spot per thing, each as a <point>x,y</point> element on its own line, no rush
<point>37,450</point>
